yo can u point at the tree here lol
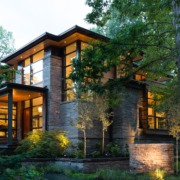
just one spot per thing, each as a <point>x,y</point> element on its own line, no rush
<point>6,42</point>
<point>84,119</point>
<point>173,116</point>
<point>6,47</point>
<point>103,115</point>
<point>146,31</point>
<point>150,27</point>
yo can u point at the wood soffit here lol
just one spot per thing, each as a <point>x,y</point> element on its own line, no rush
<point>47,39</point>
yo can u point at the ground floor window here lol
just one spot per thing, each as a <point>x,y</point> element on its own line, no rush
<point>4,119</point>
<point>155,120</point>
<point>33,110</point>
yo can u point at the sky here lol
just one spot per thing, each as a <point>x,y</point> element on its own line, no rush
<point>28,19</point>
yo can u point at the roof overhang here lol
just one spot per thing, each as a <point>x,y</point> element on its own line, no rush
<point>47,39</point>
<point>20,92</point>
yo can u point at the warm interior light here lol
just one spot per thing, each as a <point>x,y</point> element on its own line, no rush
<point>40,109</point>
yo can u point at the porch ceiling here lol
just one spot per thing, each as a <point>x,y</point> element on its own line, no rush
<point>20,92</point>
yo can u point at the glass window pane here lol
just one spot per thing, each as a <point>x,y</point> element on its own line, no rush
<point>37,77</point>
<point>151,122</point>
<point>150,111</point>
<point>162,123</point>
<point>37,101</point>
<point>35,111</point>
<point>71,48</point>
<point>37,66</point>
<point>69,58</point>
<point>84,45</point>
<point>69,83</point>
<point>150,101</point>
<point>70,95</point>
<point>38,56</point>
<point>40,122</point>
<point>27,62</point>
<point>160,114</point>
<point>27,75</point>
<point>68,71</point>
<point>3,124</point>
<point>27,103</point>
<point>150,95</point>
<point>14,124</point>
<point>35,123</point>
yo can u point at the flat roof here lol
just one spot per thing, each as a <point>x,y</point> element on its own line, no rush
<point>56,38</point>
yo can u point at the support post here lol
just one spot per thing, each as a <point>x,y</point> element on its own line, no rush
<point>10,107</point>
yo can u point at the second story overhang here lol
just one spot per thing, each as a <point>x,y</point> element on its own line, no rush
<point>45,40</point>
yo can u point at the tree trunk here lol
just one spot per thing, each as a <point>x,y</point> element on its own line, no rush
<point>84,143</point>
<point>176,22</point>
<point>177,155</point>
<point>102,141</point>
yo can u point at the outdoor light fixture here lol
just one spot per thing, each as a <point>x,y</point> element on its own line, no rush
<point>40,109</point>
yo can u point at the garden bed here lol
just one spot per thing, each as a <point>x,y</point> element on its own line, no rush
<point>83,165</point>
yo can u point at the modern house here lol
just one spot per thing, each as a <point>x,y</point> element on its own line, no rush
<point>41,97</point>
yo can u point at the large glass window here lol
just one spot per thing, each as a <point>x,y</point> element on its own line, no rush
<point>36,112</point>
<point>70,54</point>
<point>32,70</point>
<point>4,120</point>
<point>37,119</point>
<point>155,120</point>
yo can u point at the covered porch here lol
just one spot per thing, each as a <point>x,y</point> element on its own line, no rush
<point>22,109</point>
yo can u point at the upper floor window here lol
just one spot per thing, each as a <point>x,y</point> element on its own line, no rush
<point>32,69</point>
<point>70,54</point>
<point>155,120</point>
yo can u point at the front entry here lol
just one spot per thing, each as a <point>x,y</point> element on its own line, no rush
<point>26,122</point>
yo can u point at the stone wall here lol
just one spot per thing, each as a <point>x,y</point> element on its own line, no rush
<point>149,157</point>
<point>126,116</point>
<point>68,119</point>
<point>52,79</point>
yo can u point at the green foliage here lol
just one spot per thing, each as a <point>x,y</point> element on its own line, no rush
<point>146,30</point>
<point>77,151</point>
<point>157,174</point>
<point>6,73</point>
<point>6,42</point>
<point>114,174</point>
<point>53,169</point>
<point>83,175</point>
<point>22,173</point>
<point>44,144</point>
<point>113,149</point>
<point>13,161</point>
<point>96,154</point>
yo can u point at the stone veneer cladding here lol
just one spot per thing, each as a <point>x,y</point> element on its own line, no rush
<point>125,121</point>
<point>149,157</point>
<point>68,117</point>
<point>52,74</point>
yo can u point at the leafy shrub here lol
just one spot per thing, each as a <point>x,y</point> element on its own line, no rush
<point>157,174</point>
<point>13,161</point>
<point>125,151</point>
<point>114,174</point>
<point>96,154</point>
<point>113,149</point>
<point>23,173</point>
<point>48,144</point>
<point>77,151</point>
<point>53,169</point>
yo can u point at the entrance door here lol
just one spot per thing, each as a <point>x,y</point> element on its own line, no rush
<point>26,122</point>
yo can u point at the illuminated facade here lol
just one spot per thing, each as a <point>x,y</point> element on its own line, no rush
<point>41,96</point>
